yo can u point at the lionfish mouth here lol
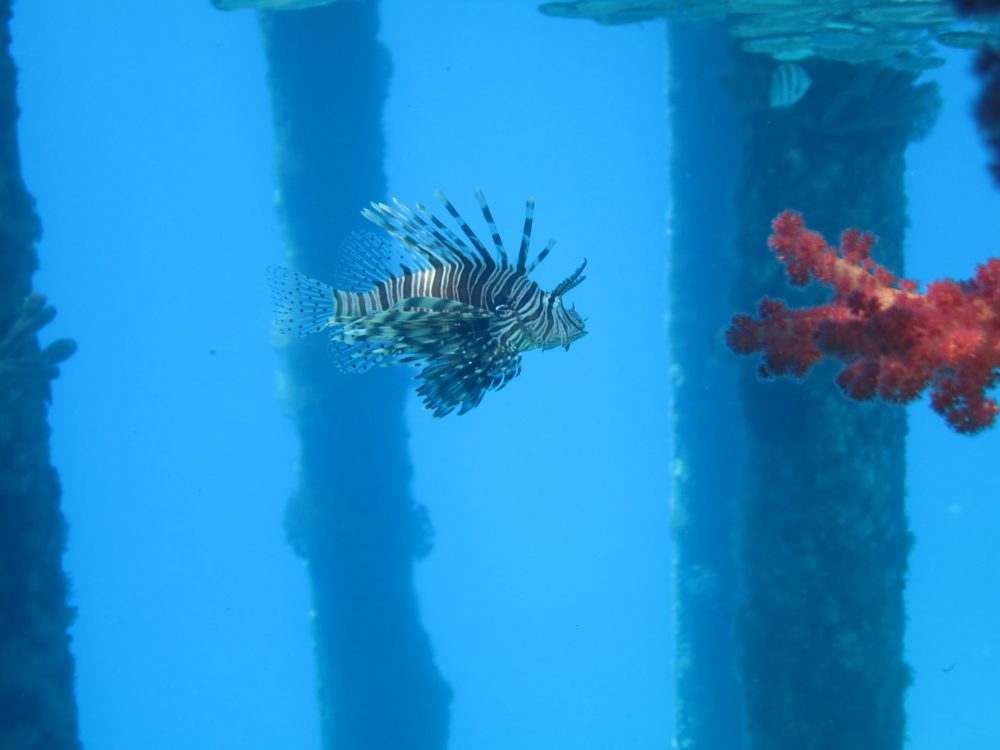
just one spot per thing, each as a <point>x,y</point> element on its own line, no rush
<point>565,341</point>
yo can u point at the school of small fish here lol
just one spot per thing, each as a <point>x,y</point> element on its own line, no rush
<point>902,34</point>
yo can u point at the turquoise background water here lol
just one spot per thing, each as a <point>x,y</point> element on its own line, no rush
<point>146,139</point>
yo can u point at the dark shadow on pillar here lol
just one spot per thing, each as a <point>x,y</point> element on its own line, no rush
<point>708,436</point>
<point>353,519</point>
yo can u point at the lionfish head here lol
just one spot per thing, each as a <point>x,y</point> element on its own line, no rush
<point>567,323</point>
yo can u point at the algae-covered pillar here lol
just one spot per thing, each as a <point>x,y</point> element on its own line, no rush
<point>792,539</point>
<point>708,439</point>
<point>823,534</point>
<point>37,699</point>
<point>353,519</point>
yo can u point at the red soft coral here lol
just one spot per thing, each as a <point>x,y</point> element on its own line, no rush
<point>893,342</point>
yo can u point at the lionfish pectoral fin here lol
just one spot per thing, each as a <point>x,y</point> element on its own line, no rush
<point>354,356</point>
<point>460,379</point>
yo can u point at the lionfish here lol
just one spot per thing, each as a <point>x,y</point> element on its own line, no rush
<point>460,313</point>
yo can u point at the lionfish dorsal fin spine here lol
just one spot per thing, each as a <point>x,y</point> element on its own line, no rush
<point>428,244</point>
<point>522,253</point>
<point>454,245</point>
<point>494,233</point>
<point>418,235</point>
<point>484,254</point>
<point>411,232</point>
<point>542,255</point>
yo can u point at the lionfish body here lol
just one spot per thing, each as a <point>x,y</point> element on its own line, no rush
<point>462,314</point>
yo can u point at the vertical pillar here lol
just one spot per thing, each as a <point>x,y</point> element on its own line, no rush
<point>708,435</point>
<point>37,699</point>
<point>353,519</point>
<point>823,533</point>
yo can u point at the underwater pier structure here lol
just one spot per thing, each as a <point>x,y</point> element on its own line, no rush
<point>37,695</point>
<point>353,520</point>
<point>819,525</point>
<point>822,530</point>
<point>704,131</point>
<point>788,500</point>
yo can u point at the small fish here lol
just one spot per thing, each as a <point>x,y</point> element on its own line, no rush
<point>966,39</point>
<point>789,83</point>
<point>788,48</point>
<point>461,313</point>
<point>270,4</point>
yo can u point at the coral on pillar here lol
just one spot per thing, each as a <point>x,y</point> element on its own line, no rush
<point>893,341</point>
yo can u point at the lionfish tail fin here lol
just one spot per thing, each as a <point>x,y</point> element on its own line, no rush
<point>301,305</point>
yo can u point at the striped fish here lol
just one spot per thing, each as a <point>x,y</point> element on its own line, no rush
<point>789,83</point>
<point>447,305</point>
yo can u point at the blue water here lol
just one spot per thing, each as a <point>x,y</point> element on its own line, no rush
<point>146,139</point>
<point>954,498</point>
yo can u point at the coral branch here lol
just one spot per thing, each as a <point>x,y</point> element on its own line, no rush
<point>893,341</point>
<point>19,354</point>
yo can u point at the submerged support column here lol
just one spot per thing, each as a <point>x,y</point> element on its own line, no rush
<point>821,535</point>
<point>37,699</point>
<point>708,439</point>
<point>823,531</point>
<point>353,520</point>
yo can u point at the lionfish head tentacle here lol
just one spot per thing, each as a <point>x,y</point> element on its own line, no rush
<point>571,282</point>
